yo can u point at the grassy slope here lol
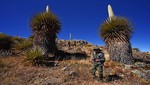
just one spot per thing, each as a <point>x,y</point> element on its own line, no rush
<point>17,71</point>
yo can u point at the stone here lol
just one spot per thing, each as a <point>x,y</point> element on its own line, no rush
<point>141,74</point>
<point>64,68</point>
<point>128,66</point>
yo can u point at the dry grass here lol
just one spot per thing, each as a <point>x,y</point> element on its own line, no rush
<point>68,72</point>
<point>2,64</point>
<point>22,45</point>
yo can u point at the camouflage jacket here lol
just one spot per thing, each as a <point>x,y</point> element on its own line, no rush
<point>99,58</point>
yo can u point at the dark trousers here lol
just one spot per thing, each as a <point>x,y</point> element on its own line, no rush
<point>99,68</point>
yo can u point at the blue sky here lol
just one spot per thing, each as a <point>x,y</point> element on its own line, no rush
<point>82,18</point>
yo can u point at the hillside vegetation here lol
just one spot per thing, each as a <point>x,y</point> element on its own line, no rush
<point>70,66</point>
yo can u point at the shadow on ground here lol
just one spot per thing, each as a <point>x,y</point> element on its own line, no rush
<point>110,78</point>
<point>142,61</point>
<point>61,55</point>
<point>50,60</point>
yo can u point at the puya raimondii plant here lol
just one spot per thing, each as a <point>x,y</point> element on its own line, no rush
<point>45,27</point>
<point>116,33</point>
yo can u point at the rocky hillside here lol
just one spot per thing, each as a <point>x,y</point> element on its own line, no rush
<point>75,46</point>
<point>16,70</point>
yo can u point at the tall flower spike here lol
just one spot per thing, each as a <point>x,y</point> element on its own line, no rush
<point>47,9</point>
<point>110,12</point>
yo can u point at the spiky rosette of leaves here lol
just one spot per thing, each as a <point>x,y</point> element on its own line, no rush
<point>45,21</point>
<point>116,32</point>
<point>116,28</point>
<point>45,27</point>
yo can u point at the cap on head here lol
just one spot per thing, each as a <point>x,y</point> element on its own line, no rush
<point>97,49</point>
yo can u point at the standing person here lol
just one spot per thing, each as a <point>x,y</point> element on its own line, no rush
<point>98,62</point>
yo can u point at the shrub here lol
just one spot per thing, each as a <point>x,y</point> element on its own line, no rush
<point>18,39</point>
<point>33,55</point>
<point>5,41</point>
<point>136,49</point>
<point>22,45</point>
